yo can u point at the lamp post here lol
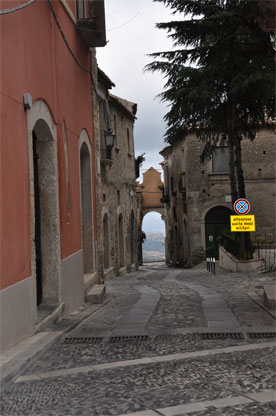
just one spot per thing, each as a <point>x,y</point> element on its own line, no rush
<point>109,137</point>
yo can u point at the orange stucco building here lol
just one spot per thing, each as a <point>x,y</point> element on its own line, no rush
<point>151,189</point>
<point>48,232</point>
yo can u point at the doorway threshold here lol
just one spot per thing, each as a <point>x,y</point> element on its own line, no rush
<point>45,309</point>
<point>47,313</point>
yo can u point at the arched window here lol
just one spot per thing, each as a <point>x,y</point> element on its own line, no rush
<point>86,209</point>
<point>66,162</point>
<point>106,241</point>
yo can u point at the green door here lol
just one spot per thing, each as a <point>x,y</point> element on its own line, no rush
<point>212,231</point>
<point>217,220</point>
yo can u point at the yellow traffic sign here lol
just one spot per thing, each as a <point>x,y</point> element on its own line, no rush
<point>242,223</point>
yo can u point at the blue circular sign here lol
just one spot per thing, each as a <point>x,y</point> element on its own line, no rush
<point>241,206</point>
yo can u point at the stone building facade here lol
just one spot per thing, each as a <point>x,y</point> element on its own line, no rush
<point>198,195</point>
<point>115,182</point>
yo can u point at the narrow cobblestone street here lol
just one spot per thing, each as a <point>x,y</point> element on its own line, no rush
<point>165,341</point>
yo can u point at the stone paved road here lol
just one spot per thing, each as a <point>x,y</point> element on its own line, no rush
<point>147,352</point>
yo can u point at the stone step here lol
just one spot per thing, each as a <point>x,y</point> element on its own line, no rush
<point>96,294</point>
<point>270,295</point>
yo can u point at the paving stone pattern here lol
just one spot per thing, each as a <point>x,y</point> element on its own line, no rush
<point>171,307</point>
<point>63,356</point>
<point>124,390</point>
<point>243,410</point>
<point>233,287</point>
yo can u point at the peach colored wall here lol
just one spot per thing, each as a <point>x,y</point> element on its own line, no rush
<point>150,191</point>
<point>35,59</point>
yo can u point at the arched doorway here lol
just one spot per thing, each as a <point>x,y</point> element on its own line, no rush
<point>106,241</point>
<point>45,210</point>
<point>217,220</point>
<point>86,209</point>
<point>132,236</point>
<point>176,244</point>
<point>154,245</point>
<point>121,249</point>
<point>185,241</point>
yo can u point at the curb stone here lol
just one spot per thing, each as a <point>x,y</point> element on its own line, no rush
<point>33,347</point>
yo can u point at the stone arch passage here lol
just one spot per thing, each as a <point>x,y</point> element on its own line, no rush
<point>106,241</point>
<point>153,226</point>
<point>121,241</point>
<point>46,214</point>
<point>217,220</point>
<point>86,209</point>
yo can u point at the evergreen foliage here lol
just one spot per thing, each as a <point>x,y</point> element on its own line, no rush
<point>220,77</point>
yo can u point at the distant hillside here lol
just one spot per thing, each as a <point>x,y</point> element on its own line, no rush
<point>154,247</point>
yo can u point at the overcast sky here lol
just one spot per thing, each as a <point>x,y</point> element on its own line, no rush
<point>132,35</point>
<point>152,222</point>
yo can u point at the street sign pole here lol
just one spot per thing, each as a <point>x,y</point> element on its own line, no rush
<point>243,245</point>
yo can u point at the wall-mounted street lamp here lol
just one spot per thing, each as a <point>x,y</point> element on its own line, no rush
<point>109,137</point>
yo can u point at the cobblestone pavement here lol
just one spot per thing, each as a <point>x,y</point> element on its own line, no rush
<point>151,350</point>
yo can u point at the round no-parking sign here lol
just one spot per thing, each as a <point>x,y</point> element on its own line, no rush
<point>241,206</point>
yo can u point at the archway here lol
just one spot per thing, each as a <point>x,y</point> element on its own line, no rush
<point>176,244</point>
<point>185,241</point>
<point>106,241</point>
<point>217,220</point>
<point>121,249</point>
<point>86,209</point>
<point>132,236</point>
<point>46,232</point>
<point>154,245</point>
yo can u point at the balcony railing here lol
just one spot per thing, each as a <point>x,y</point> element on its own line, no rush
<point>92,28</point>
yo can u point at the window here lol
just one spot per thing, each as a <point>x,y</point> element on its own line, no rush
<point>220,160</point>
<point>81,9</point>
<point>172,185</point>
<point>128,141</point>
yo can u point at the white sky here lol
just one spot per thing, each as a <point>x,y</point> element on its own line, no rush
<point>131,35</point>
<point>152,222</point>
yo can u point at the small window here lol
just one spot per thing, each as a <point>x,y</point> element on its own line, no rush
<point>172,184</point>
<point>220,160</point>
<point>81,9</point>
<point>128,141</point>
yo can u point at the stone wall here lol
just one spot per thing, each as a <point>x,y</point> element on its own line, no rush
<point>116,184</point>
<point>194,189</point>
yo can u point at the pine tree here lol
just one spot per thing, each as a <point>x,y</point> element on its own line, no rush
<point>220,77</point>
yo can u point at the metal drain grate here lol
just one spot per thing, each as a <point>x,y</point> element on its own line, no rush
<point>261,335</point>
<point>129,338</point>
<point>82,340</point>
<point>222,335</point>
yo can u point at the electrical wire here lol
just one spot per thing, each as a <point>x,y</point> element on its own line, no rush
<point>89,70</point>
<point>124,24</point>
<point>64,38</point>
<point>15,9</point>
